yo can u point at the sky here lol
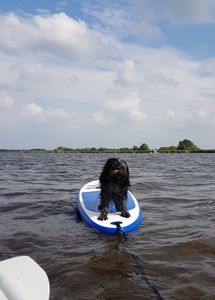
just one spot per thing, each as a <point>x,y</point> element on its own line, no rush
<point>106,73</point>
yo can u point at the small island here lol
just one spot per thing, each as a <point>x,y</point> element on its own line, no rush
<point>184,146</point>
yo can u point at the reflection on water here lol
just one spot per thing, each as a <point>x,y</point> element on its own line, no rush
<point>173,249</point>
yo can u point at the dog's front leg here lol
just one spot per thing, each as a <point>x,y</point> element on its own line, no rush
<point>124,212</point>
<point>104,213</point>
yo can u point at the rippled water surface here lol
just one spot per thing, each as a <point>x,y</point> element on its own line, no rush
<point>173,252</point>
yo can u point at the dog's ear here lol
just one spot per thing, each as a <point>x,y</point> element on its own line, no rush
<point>110,165</point>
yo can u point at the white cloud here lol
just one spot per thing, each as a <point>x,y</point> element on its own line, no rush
<point>6,101</point>
<point>206,114</point>
<point>173,114</point>
<point>121,21</point>
<point>127,107</point>
<point>56,34</point>
<point>36,113</point>
<point>177,11</point>
<point>201,113</point>
<point>127,73</point>
<point>33,112</point>
<point>139,20</point>
<point>60,114</point>
<point>8,74</point>
<point>99,118</point>
<point>192,11</point>
<point>137,116</point>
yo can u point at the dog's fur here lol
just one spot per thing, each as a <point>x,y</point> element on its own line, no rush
<point>114,182</point>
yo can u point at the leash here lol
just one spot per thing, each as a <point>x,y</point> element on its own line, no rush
<point>139,270</point>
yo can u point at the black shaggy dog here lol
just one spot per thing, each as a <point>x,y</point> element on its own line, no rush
<point>114,182</point>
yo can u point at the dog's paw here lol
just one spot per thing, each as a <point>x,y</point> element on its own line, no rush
<point>102,217</point>
<point>125,214</point>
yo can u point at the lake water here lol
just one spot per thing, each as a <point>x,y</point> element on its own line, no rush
<point>173,252</point>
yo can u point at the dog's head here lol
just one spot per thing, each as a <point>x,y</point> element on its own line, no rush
<point>115,171</point>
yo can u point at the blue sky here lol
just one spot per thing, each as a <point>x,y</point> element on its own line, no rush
<point>107,73</point>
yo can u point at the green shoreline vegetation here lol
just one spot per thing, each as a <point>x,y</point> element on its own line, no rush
<point>185,146</point>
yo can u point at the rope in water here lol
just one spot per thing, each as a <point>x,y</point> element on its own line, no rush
<point>138,264</point>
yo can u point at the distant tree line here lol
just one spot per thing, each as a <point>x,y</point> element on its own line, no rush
<point>142,149</point>
<point>185,146</point>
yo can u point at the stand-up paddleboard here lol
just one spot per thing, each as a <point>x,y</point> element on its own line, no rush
<point>21,278</point>
<point>88,202</point>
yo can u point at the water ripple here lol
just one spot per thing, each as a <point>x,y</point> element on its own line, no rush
<point>175,242</point>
